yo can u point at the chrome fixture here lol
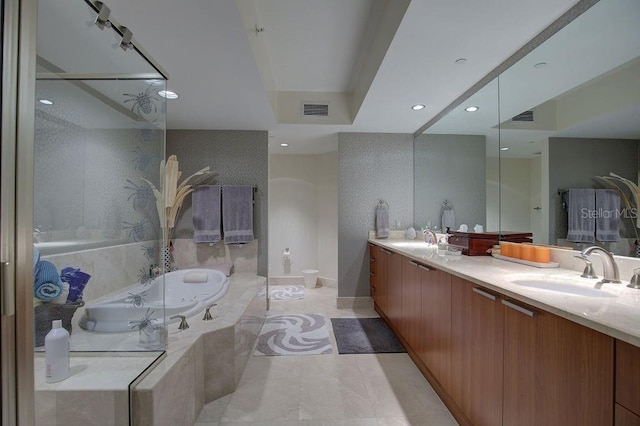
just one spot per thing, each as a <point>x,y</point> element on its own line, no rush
<point>611,274</point>
<point>102,20</point>
<point>183,322</point>
<point>207,314</point>
<point>635,280</point>
<point>127,35</point>
<point>430,237</point>
<point>588,268</point>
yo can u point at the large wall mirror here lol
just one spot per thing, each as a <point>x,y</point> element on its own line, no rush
<point>567,114</point>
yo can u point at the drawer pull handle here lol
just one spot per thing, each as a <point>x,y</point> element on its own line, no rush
<point>372,288</point>
<point>373,274</point>
<point>372,259</point>
<point>424,268</point>
<point>412,263</point>
<point>518,308</point>
<point>484,293</point>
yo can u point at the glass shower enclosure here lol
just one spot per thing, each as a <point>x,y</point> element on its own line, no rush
<point>99,141</point>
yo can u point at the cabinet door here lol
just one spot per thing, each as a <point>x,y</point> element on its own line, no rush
<point>555,371</point>
<point>378,267</point>
<point>628,376</point>
<point>476,352</point>
<point>625,417</point>
<point>394,290</point>
<point>411,300</point>
<point>434,348</point>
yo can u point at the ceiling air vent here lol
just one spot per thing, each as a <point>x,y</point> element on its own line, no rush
<point>526,116</point>
<point>315,110</point>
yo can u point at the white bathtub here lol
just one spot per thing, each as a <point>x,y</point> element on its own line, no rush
<point>114,313</point>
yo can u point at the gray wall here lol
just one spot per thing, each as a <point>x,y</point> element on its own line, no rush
<point>371,166</point>
<point>239,158</point>
<point>573,162</point>
<point>450,167</point>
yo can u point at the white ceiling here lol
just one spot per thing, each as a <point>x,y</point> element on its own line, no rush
<point>312,46</point>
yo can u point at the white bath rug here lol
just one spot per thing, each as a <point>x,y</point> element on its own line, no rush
<point>294,334</point>
<point>286,292</point>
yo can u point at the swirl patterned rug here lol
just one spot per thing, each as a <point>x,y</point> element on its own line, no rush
<point>284,292</point>
<point>294,334</point>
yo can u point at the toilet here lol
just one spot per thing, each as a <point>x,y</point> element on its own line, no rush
<point>310,277</point>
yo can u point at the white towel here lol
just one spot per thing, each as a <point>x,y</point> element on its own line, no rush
<point>237,214</point>
<point>195,277</point>
<point>448,219</point>
<point>607,219</point>
<point>581,209</point>
<point>382,221</point>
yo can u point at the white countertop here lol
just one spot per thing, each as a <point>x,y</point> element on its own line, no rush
<point>612,309</point>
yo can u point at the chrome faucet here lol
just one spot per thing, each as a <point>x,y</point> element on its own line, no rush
<point>430,237</point>
<point>611,274</point>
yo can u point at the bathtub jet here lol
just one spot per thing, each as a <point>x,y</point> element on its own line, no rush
<point>186,292</point>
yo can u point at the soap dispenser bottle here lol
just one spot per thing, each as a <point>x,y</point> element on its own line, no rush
<point>56,346</point>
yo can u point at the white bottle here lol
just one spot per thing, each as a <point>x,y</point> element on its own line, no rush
<point>56,346</point>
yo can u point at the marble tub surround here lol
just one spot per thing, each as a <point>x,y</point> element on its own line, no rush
<point>204,362</point>
<point>96,392</point>
<point>298,279</point>
<point>617,314</point>
<point>111,268</point>
<point>187,254</point>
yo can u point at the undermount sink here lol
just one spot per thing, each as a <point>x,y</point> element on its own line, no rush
<point>413,244</point>
<point>556,286</point>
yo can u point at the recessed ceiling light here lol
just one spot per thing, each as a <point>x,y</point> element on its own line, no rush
<point>471,109</point>
<point>284,144</point>
<point>45,101</point>
<point>461,61</point>
<point>504,148</point>
<point>168,94</point>
<point>417,107</point>
<point>540,65</point>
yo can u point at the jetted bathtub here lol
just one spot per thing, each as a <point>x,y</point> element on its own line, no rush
<point>187,292</point>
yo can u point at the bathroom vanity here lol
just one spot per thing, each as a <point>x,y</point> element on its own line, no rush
<point>508,344</point>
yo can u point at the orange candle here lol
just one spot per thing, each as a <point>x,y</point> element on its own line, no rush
<point>527,252</point>
<point>542,254</point>
<point>505,248</point>
<point>516,251</point>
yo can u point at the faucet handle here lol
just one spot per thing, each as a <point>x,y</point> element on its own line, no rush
<point>635,280</point>
<point>183,322</point>
<point>207,314</point>
<point>588,269</point>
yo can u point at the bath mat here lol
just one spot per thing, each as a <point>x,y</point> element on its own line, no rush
<point>286,292</point>
<point>365,336</point>
<point>293,334</point>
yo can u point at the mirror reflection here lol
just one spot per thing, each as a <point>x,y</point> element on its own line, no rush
<point>568,116</point>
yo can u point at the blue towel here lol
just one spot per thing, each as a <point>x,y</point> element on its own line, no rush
<point>581,211</point>
<point>205,206</point>
<point>237,214</point>
<point>47,285</point>
<point>607,218</point>
<point>382,221</point>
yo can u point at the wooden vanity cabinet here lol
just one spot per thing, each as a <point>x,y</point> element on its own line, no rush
<point>394,290</point>
<point>555,371</point>
<point>627,412</point>
<point>411,302</point>
<point>434,343</point>
<point>379,275</point>
<point>476,352</point>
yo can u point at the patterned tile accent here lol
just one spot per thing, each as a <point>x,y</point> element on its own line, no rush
<point>294,334</point>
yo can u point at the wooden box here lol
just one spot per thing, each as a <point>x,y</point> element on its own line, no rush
<point>477,244</point>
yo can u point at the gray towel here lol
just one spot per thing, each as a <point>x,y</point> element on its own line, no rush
<point>607,218</point>
<point>237,214</point>
<point>205,202</point>
<point>581,206</point>
<point>382,221</point>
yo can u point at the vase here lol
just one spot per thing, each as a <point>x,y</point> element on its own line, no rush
<point>165,258</point>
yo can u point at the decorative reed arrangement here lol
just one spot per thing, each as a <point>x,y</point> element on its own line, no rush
<point>171,195</point>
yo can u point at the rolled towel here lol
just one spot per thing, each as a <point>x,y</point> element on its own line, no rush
<point>47,285</point>
<point>195,277</point>
<point>62,298</point>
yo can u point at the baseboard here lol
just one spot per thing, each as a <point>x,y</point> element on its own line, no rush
<point>354,302</point>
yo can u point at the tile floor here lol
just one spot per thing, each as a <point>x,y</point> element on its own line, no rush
<point>333,389</point>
